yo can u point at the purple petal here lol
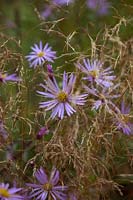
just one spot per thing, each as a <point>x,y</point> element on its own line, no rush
<point>69,109</point>
<point>97,104</point>
<point>41,176</point>
<point>54,178</point>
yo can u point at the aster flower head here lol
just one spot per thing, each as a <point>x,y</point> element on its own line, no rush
<point>7,193</point>
<point>96,73</point>
<point>61,99</point>
<point>103,95</point>
<point>40,54</point>
<point>12,77</point>
<point>48,187</point>
<point>123,120</point>
<point>46,12</point>
<point>101,7</point>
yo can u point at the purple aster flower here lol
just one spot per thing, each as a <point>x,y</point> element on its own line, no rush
<point>100,6</point>
<point>40,54</point>
<point>12,77</point>
<point>96,73</point>
<point>123,120</point>
<point>62,2</point>
<point>7,193</point>
<point>104,96</point>
<point>43,131</point>
<point>48,187</point>
<point>61,99</point>
<point>46,12</point>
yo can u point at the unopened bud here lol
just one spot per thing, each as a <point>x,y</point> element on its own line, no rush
<point>50,71</point>
<point>43,131</point>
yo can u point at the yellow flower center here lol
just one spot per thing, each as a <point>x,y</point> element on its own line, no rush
<point>94,73</point>
<point>62,97</point>
<point>125,118</point>
<point>2,76</point>
<point>47,186</point>
<point>4,192</point>
<point>40,54</point>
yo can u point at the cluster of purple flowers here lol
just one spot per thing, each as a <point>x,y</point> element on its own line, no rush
<point>101,7</point>
<point>102,87</point>
<point>52,5</point>
<point>62,98</point>
<point>99,83</point>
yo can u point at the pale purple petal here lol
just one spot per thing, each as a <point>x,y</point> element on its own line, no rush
<point>41,176</point>
<point>55,111</point>
<point>46,94</point>
<point>97,104</point>
<point>69,109</point>
<point>60,195</point>
<point>60,188</point>
<point>54,178</point>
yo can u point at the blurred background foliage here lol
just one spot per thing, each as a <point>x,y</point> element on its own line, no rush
<point>20,19</point>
